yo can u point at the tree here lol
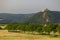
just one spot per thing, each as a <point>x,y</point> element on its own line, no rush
<point>48,28</point>
<point>58,28</point>
<point>39,29</point>
<point>31,27</point>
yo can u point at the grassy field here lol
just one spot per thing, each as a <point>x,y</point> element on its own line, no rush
<point>5,35</point>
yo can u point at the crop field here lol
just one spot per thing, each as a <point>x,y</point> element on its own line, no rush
<point>5,35</point>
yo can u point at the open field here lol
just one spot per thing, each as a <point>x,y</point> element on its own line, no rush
<point>5,35</point>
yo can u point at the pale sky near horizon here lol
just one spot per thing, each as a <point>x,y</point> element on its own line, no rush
<point>28,6</point>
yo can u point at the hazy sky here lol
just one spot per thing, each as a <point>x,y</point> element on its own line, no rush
<point>28,6</point>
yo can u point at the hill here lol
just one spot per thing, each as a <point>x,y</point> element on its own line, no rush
<point>45,16</point>
<point>13,18</point>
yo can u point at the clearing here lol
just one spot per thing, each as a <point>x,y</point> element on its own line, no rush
<point>5,35</point>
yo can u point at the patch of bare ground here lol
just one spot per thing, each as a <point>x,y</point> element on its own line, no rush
<point>5,35</point>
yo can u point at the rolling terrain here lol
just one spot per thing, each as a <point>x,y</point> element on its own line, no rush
<point>13,18</point>
<point>52,16</point>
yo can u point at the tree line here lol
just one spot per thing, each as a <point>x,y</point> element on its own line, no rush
<point>40,28</point>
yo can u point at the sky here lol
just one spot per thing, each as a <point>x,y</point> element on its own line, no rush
<point>28,6</point>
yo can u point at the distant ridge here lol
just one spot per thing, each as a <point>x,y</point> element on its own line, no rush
<point>49,17</point>
<point>13,18</point>
<point>44,16</point>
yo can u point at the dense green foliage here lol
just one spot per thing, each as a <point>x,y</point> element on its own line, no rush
<point>40,28</point>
